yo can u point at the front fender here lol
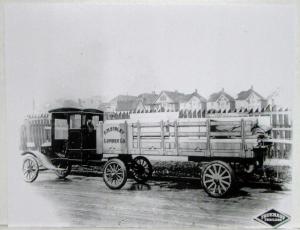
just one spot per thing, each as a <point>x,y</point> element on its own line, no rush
<point>41,158</point>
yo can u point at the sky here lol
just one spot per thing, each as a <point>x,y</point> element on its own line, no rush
<point>80,50</point>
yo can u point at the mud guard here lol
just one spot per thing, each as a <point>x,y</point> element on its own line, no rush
<point>42,159</point>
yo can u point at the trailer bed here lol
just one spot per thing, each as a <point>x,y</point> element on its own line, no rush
<point>231,137</point>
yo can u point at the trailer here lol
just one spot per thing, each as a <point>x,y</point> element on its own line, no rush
<point>226,146</point>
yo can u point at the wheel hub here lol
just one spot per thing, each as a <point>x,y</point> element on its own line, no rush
<point>29,169</point>
<point>114,174</point>
<point>140,169</point>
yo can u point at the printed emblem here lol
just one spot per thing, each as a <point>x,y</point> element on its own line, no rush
<point>273,218</point>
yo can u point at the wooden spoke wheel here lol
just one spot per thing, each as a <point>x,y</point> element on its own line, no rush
<point>217,179</point>
<point>65,169</point>
<point>141,169</point>
<point>115,174</point>
<point>30,168</point>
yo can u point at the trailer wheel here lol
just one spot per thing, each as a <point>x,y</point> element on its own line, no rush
<point>30,168</point>
<point>141,169</point>
<point>115,174</point>
<point>218,179</point>
<point>65,169</point>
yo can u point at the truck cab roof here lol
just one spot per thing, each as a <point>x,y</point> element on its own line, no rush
<point>75,110</point>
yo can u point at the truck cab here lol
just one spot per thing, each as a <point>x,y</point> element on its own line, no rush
<point>73,135</point>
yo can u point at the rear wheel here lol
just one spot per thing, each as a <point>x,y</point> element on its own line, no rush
<point>218,179</point>
<point>115,174</point>
<point>64,169</point>
<point>141,169</point>
<point>30,169</point>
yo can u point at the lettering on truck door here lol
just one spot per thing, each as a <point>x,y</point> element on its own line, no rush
<point>114,138</point>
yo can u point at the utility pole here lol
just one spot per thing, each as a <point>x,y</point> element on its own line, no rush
<point>33,105</point>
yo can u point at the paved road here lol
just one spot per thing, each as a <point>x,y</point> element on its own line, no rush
<point>86,201</point>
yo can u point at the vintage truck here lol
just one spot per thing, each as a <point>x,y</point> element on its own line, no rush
<point>226,146</point>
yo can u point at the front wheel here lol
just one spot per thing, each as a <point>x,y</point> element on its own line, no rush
<point>218,179</point>
<point>115,174</point>
<point>30,168</point>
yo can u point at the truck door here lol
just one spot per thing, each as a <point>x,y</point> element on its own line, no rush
<point>89,131</point>
<point>89,121</point>
<point>75,137</point>
<point>82,136</point>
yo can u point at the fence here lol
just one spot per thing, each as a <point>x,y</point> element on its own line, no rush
<point>35,131</point>
<point>36,128</point>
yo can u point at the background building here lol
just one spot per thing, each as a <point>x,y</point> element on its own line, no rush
<point>220,101</point>
<point>168,101</point>
<point>122,103</point>
<point>146,101</point>
<point>193,101</point>
<point>174,101</point>
<point>250,99</point>
<point>171,101</point>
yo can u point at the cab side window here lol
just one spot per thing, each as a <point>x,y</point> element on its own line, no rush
<point>95,120</point>
<point>61,129</point>
<point>75,121</point>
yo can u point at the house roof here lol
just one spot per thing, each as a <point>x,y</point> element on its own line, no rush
<point>126,105</point>
<point>243,95</point>
<point>181,97</point>
<point>148,98</point>
<point>127,102</point>
<point>215,96</point>
<point>123,98</point>
<point>196,94</point>
<point>174,95</point>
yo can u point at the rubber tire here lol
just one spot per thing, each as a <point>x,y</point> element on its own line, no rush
<point>66,173</point>
<point>124,170</point>
<point>143,180</point>
<point>32,158</point>
<point>231,173</point>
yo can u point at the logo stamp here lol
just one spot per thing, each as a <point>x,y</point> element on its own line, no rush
<point>273,218</point>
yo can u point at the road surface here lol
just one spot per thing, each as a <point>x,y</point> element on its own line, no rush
<point>86,201</point>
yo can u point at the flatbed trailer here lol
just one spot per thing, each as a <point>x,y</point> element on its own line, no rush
<point>225,145</point>
<point>200,137</point>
